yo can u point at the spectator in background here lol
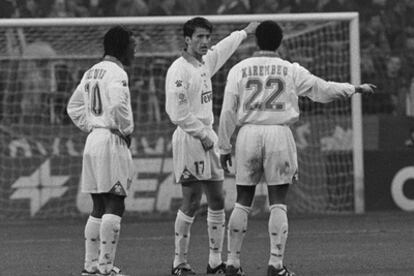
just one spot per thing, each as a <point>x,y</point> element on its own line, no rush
<point>185,7</point>
<point>8,8</point>
<point>298,6</point>
<point>234,7</point>
<point>392,86</point>
<point>131,8</point>
<point>338,6</point>
<point>394,22</point>
<point>36,84</point>
<point>162,7</point>
<point>77,8</point>
<point>59,9</point>
<point>270,6</point>
<point>33,9</point>
<point>65,8</point>
<point>410,99</point>
<point>374,46</point>
<point>410,141</point>
<point>409,11</point>
<point>102,7</point>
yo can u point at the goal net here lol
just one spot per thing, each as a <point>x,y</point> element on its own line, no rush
<point>42,60</point>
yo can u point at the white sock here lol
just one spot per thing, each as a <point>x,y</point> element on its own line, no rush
<point>236,232</point>
<point>109,232</point>
<point>92,243</point>
<point>215,227</point>
<point>278,232</point>
<point>182,237</point>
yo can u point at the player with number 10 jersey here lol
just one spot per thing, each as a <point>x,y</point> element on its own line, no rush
<point>101,103</point>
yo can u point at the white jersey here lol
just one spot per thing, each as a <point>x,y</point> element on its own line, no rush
<point>188,86</point>
<point>102,99</point>
<point>264,90</point>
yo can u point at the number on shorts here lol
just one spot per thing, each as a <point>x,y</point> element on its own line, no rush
<point>199,167</point>
<point>256,87</point>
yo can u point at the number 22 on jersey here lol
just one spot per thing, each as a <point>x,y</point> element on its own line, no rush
<point>94,95</point>
<point>272,86</point>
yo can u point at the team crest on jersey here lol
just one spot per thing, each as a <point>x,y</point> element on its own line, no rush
<point>124,83</point>
<point>179,83</point>
<point>182,99</point>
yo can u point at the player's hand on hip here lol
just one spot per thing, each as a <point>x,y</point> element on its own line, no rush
<point>224,160</point>
<point>125,138</point>
<point>251,28</point>
<point>207,143</point>
<point>365,88</point>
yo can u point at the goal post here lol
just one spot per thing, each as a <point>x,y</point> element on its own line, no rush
<point>42,61</point>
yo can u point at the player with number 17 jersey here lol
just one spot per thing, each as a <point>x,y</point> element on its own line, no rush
<point>102,103</point>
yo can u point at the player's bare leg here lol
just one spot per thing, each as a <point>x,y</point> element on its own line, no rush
<point>109,232</point>
<point>278,229</point>
<point>237,228</point>
<point>92,240</point>
<point>192,193</point>
<point>216,220</point>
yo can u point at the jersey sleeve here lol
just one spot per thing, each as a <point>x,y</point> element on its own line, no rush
<point>221,52</point>
<point>228,116</point>
<point>120,103</point>
<point>317,89</point>
<point>177,103</point>
<point>76,110</point>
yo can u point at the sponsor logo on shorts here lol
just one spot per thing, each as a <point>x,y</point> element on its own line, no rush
<point>117,189</point>
<point>187,176</point>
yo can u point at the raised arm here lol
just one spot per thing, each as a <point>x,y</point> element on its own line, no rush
<point>221,52</point>
<point>76,110</point>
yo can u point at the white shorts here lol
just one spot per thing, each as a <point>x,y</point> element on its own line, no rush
<point>192,162</point>
<point>265,153</point>
<point>107,164</point>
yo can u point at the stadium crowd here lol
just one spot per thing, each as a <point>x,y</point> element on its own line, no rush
<point>386,29</point>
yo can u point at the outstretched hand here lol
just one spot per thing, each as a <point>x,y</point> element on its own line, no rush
<point>224,160</point>
<point>365,88</point>
<point>251,28</point>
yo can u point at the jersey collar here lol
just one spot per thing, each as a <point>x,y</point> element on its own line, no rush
<point>265,54</point>
<point>113,59</point>
<point>189,58</point>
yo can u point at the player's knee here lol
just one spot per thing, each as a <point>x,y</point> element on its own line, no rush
<point>191,207</point>
<point>216,202</point>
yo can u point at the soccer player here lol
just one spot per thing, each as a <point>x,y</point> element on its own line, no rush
<point>261,96</point>
<point>101,106</point>
<point>195,155</point>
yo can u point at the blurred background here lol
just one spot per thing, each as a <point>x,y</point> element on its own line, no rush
<point>40,66</point>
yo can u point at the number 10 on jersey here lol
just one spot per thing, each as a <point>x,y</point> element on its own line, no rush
<point>94,98</point>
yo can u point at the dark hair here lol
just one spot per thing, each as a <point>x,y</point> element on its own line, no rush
<point>116,41</point>
<point>269,35</point>
<point>196,22</point>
